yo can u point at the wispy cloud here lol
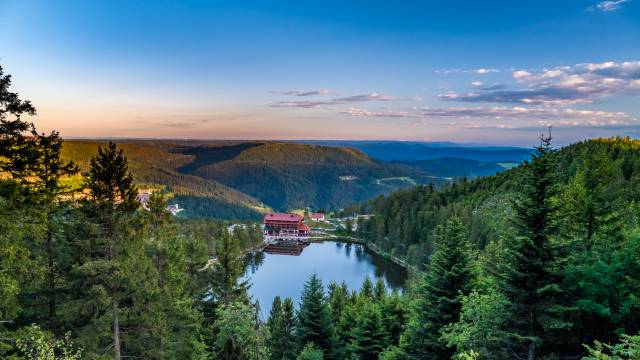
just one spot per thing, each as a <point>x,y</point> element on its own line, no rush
<point>302,92</point>
<point>479,85</point>
<point>609,5</point>
<point>564,115</point>
<point>566,85</point>
<point>480,71</point>
<point>340,101</point>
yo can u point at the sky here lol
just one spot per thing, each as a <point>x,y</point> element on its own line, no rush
<point>491,72</point>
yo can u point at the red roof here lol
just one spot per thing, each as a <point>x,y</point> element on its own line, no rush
<point>304,227</point>
<point>317,215</point>
<point>283,217</point>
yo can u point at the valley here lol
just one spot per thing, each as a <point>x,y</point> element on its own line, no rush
<point>243,179</point>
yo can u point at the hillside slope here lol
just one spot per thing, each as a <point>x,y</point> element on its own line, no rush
<point>602,175</point>
<point>152,165</point>
<point>415,150</point>
<point>457,167</point>
<point>288,175</point>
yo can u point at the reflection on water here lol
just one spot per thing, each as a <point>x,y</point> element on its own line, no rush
<point>284,275</point>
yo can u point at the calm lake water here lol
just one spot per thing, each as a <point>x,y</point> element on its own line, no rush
<point>285,275</point>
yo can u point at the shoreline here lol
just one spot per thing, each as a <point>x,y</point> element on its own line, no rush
<point>372,247</point>
<point>344,239</point>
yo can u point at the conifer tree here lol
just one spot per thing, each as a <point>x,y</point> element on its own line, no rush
<point>367,335</point>
<point>226,283</point>
<point>314,319</point>
<point>54,249</point>
<point>367,288</point>
<point>238,334</point>
<point>311,352</point>
<point>380,290</point>
<point>177,331</point>
<point>17,158</point>
<point>394,315</point>
<point>532,275</point>
<point>437,302</point>
<point>281,327</point>
<point>18,155</point>
<point>338,299</point>
<point>116,278</point>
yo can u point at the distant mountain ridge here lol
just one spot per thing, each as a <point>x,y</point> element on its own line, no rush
<point>239,180</point>
<point>287,175</point>
<point>458,167</point>
<point>412,150</point>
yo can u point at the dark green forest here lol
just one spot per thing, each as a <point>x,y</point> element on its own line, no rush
<point>539,262</point>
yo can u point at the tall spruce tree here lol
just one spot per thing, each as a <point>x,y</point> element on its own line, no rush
<point>226,276</point>
<point>54,250</point>
<point>281,326</point>
<point>178,330</point>
<point>18,155</point>
<point>314,318</point>
<point>367,337</point>
<point>18,221</point>
<point>116,278</point>
<point>438,296</point>
<point>532,274</point>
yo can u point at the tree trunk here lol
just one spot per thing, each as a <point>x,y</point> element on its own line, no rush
<point>116,331</point>
<point>532,351</point>
<point>51,279</point>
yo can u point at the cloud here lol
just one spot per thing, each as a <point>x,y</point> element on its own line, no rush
<point>341,101</point>
<point>480,71</point>
<point>562,86</point>
<point>479,85</point>
<point>302,92</point>
<point>498,112</point>
<point>608,6</point>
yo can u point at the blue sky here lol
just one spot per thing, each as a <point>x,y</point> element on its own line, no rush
<point>470,71</point>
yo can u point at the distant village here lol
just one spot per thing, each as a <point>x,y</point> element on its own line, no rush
<point>143,198</point>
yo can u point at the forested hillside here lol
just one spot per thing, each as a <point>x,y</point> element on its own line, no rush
<point>152,165</point>
<point>458,167</point>
<point>415,151</point>
<point>601,174</point>
<point>238,180</point>
<point>556,242</point>
<point>288,176</point>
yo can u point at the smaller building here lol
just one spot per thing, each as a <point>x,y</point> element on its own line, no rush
<point>174,209</point>
<point>317,217</point>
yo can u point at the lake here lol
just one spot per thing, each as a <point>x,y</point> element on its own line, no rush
<point>284,275</point>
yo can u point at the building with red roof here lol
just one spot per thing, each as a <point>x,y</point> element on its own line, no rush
<point>280,226</point>
<point>317,217</point>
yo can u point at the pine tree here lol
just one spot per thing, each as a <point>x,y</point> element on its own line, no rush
<point>54,249</point>
<point>531,278</point>
<point>17,151</point>
<point>18,220</point>
<point>226,283</point>
<point>311,352</point>
<point>367,288</point>
<point>367,336</point>
<point>380,290</point>
<point>338,300</point>
<point>437,302</point>
<point>273,324</point>
<point>238,334</point>
<point>394,315</point>
<point>177,331</point>
<point>281,327</point>
<point>314,318</point>
<point>116,280</point>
